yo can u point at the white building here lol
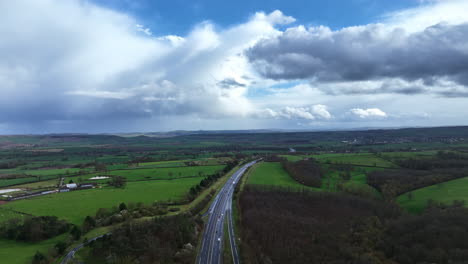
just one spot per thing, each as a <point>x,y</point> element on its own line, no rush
<point>71,186</point>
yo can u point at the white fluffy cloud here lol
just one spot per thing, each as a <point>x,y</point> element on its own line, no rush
<point>308,113</point>
<point>368,113</point>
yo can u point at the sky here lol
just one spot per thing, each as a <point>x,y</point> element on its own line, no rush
<point>108,66</point>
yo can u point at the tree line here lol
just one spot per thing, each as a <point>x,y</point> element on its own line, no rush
<point>210,179</point>
<point>33,229</point>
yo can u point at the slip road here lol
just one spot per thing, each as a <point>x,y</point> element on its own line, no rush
<point>211,250</point>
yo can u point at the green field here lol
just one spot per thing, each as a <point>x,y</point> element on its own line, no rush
<point>8,214</point>
<point>358,184</point>
<point>294,158</point>
<point>272,173</point>
<point>444,193</point>
<point>406,155</point>
<point>359,159</point>
<point>51,172</point>
<point>10,182</point>
<point>163,173</point>
<point>162,164</point>
<point>12,252</point>
<point>74,206</point>
<point>38,184</point>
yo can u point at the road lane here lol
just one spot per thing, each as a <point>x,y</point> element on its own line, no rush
<point>211,250</point>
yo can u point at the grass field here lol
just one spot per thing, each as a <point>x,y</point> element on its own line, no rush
<point>163,173</point>
<point>38,184</point>
<point>406,155</point>
<point>51,172</point>
<point>360,159</point>
<point>444,193</point>
<point>294,158</point>
<point>13,252</point>
<point>8,214</point>
<point>74,206</point>
<point>10,182</point>
<point>358,184</point>
<point>162,164</point>
<point>272,173</point>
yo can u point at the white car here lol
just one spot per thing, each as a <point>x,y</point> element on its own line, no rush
<point>219,239</point>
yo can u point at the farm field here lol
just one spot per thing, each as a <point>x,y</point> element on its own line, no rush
<point>162,164</point>
<point>444,193</point>
<point>13,252</point>
<point>358,184</point>
<point>38,184</point>
<point>8,214</point>
<point>405,155</point>
<point>273,174</point>
<point>10,182</point>
<point>74,206</point>
<point>359,159</point>
<point>163,173</point>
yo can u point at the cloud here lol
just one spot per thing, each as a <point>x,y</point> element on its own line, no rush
<point>73,60</point>
<point>308,113</point>
<point>368,113</point>
<point>74,64</point>
<point>102,94</point>
<point>431,12</point>
<point>141,28</point>
<point>229,83</point>
<point>364,53</point>
<point>390,57</point>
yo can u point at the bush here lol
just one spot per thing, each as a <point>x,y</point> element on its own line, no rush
<point>39,258</point>
<point>118,182</point>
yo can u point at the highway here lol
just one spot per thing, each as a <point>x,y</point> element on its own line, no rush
<point>211,250</point>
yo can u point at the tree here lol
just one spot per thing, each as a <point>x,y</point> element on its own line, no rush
<point>75,232</point>
<point>100,167</point>
<point>118,181</point>
<point>88,224</point>
<point>61,246</point>
<point>122,207</point>
<point>39,258</point>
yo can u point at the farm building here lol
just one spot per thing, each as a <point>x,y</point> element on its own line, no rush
<point>71,185</point>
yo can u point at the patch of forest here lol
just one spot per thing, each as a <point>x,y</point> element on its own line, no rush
<point>419,173</point>
<point>304,227</point>
<point>160,240</point>
<point>307,172</point>
<point>443,159</point>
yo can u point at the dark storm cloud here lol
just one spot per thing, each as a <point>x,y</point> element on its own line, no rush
<point>230,83</point>
<point>372,52</point>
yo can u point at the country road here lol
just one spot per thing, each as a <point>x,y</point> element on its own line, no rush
<point>71,254</point>
<point>211,250</point>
